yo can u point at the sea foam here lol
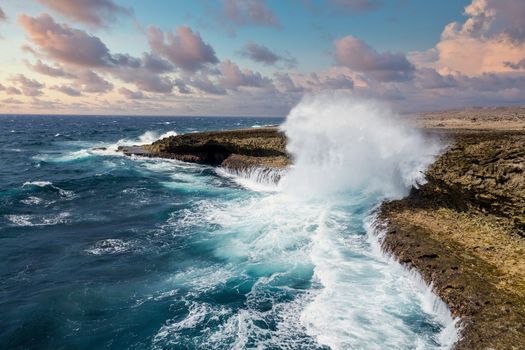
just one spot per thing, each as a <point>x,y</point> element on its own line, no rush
<point>341,144</point>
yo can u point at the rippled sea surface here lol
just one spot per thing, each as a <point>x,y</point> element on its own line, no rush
<point>103,251</point>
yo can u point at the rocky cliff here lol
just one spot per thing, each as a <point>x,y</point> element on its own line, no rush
<point>464,232</point>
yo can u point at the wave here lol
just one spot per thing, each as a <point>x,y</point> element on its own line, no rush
<point>255,178</point>
<point>342,145</point>
<point>348,151</point>
<point>104,148</point>
<point>32,200</point>
<point>431,303</point>
<point>62,192</point>
<point>109,246</point>
<point>38,220</point>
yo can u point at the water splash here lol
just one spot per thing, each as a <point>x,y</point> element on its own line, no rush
<point>341,144</point>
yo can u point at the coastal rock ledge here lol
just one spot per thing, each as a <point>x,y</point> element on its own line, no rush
<point>234,149</point>
<point>464,232</point>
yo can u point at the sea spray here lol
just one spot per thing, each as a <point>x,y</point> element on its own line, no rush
<point>341,144</point>
<point>350,154</point>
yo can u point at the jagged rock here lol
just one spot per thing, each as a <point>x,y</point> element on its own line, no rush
<point>235,149</point>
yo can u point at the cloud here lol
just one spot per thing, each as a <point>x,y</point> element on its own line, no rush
<point>428,78</point>
<point>182,87</point>
<point>249,12</point>
<point>204,84</point>
<point>65,44</point>
<point>94,13</point>
<point>262,54</point>
<point>360,57</point>
<point>233,77</point>
<point>357,5</point>
<point>11,90</point>
<point>286,84</point>
<point>147,81</point>
<point>156,64</point>
<point>73,47</point>
<point>29,87</point>
<point>68,90</point>
<point>185,49</point>
<point>492,36</point>
<point>339,82</point>
<point>517,65</point>
<point>42,68</point>
<point>92,82</point>
<point>336,78</point>
<point>132,95</point>
<point>12,101</point>
<point>3,17</point>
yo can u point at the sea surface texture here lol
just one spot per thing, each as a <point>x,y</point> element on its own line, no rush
<point>103,251</point>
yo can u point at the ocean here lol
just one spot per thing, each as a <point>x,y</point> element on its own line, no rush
<point>103,251</point>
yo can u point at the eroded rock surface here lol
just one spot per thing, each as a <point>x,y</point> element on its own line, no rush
<point>464,232</point>
<point>235,149</point>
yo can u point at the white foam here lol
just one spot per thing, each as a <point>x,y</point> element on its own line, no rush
<point>109,246</point>
<point>342,144</point>
<point>347,149</point>
<point>62,192</point>
<point>37,183</point>
<point>32,200</point>
<point>256,178</point>
<point>38,220</point>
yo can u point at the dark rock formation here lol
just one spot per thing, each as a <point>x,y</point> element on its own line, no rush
<point>235,149</point>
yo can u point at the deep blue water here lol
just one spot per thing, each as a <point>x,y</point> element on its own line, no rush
<point>103,251</point>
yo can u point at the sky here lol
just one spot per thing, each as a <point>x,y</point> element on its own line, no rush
<point>256,57</point>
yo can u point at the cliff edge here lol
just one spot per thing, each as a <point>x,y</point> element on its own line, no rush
<point>233,149</point>
<point>464,232</point>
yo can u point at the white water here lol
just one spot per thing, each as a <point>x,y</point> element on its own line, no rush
<point>348,151</point>
<point>105,148</point>
<point>349,155</point>
<point>340,144</point>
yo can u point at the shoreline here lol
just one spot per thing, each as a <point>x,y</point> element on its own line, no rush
<point>462,231</point>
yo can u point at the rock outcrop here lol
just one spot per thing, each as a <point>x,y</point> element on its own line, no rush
<point>464,232</point>
<point>234,149</point>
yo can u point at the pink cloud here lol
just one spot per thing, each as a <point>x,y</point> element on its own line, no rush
<point>90,81</point>
<point>492,36</point>
<point>11,90</point>
<point>262,54</point>
<point>42,68</point>
<point>95,13</point>
<point>360,57</point>
<point>29,87</point>
<point>132,95</point>
<point>68,90</point>
<point>233,77</point>
<point>185,48</point>
<point>249,12</point>
<point>65,44</point>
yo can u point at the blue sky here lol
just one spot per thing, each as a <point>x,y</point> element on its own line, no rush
<point>255,51</point>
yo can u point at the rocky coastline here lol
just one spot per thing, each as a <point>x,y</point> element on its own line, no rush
<point>236,150</point>
<point>463,231</point>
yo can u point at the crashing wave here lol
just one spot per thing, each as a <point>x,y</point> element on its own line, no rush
<point>255,178</point>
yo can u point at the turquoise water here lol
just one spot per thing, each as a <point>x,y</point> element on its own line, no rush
<point>104,251</point>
